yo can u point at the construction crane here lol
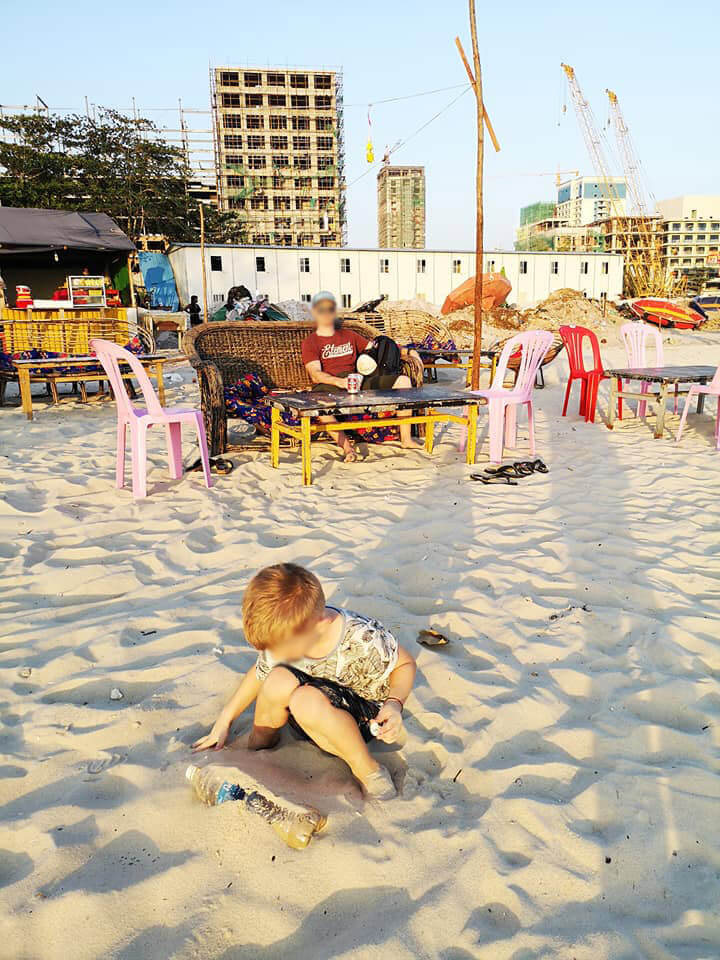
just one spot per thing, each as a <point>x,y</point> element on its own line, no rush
<point>659,279</point>
<point>639,281</point>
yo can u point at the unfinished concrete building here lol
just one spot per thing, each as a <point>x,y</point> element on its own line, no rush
<point>401,207</point>
<point>279,153</point>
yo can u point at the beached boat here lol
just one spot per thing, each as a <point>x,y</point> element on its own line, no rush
<point>496,288</point>
<point>707,304</point>
<point>665,313</point>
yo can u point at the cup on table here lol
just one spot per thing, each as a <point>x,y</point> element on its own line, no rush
<point>354,382</point>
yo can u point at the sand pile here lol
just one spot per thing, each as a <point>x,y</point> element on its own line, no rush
<point>424,306</point>
<point>569,306</point>
<point>561,307</point>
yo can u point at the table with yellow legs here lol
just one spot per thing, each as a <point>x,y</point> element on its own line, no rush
<point>429,405</point>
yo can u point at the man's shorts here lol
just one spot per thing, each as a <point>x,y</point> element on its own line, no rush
<point>343,698</point>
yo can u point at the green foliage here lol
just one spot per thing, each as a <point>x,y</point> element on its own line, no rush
<point>113,164</point>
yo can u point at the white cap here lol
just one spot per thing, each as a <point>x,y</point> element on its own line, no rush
<point>190,772</point>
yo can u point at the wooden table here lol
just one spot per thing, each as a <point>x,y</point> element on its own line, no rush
<point>670,376</point>
<point>430,360</point>
<point>153,362</point>
<point>427,405</point>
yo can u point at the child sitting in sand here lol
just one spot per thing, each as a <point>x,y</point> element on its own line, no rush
<point>329,673</point>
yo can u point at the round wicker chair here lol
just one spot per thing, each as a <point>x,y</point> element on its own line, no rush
<point>412,326</point>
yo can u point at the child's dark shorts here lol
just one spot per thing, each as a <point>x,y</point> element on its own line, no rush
<point>360,709</point>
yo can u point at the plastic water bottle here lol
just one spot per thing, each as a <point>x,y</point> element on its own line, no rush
<point>295,825</point>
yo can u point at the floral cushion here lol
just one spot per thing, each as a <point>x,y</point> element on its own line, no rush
<point>432,343</point>
<point>245,399</point>
<point>6,360</point>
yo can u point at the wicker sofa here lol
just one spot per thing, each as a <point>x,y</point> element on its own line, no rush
<point>223,352</point>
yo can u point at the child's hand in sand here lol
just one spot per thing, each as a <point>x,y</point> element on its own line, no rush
<point>215,740</point>
<point>389,719</point>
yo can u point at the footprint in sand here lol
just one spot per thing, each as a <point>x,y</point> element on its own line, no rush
<point>104,763</point>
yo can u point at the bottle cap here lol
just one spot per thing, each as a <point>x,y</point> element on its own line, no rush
<point>190,771</point>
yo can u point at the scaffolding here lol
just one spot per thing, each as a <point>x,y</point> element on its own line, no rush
<point>279,154</point>
<point>189,133</point>
<point>401,206</point>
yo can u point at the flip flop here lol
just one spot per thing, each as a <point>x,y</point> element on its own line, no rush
<point>495,478</point>
<point>506,470</point>
<point>526,467</point>
<point>217,465</point>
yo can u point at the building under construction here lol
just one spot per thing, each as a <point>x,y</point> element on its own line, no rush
<point>279,152</point>
<point>401,207</point>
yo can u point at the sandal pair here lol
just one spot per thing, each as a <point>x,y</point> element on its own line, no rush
<point>507,472</point>
<point>521,468</point>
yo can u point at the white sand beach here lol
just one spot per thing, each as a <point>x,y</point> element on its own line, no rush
<point>560,782</point>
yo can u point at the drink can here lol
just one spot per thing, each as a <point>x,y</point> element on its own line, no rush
<point>354,382</point>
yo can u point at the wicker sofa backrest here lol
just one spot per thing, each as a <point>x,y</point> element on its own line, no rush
<point>271,350</point>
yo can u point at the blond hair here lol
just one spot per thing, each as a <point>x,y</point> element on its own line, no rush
<point>279,601</point>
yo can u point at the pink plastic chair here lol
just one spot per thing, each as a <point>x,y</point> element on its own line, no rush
<point>713,389</point>
<point>138,419</point>
<point>635,338</point>
<point>503,401</point>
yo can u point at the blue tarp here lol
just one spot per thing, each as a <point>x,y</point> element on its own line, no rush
<point>159,279</point>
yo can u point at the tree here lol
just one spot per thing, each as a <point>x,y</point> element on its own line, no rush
<point>110,163</point>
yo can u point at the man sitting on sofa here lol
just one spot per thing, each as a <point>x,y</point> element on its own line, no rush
<point>330,354</point>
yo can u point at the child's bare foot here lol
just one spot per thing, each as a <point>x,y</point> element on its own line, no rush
<point>379,785</point>
<point>263,738</point>
<point>349,452</point>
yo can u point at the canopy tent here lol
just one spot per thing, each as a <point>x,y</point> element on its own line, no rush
<point>27,230</point>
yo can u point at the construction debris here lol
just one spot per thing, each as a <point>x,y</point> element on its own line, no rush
<point>562,307</point>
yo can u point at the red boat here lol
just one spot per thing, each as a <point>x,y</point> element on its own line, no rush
<point>664,313</point>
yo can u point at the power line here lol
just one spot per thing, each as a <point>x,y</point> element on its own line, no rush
<point>401,143</point>
<point>409,96</point>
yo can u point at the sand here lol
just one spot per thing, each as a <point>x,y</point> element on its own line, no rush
<point>560,779</point>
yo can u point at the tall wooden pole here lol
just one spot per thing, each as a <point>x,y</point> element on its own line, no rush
<point>477,339</point>
<point>202,259</point>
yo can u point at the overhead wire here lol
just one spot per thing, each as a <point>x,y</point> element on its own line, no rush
<point>401,143</point>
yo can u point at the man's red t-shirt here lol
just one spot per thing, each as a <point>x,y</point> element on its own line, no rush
<point>337,354</point>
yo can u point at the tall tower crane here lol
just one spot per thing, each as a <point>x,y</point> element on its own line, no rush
<point>636,266</point>
<point>659,279</point>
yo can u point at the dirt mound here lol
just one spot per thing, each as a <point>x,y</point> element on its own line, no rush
<point>561,307</point>
<point>571,307</point>
<point>422,305</point>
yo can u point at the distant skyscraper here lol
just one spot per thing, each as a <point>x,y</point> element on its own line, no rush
<point>279,148</point>
<point>401,207</point>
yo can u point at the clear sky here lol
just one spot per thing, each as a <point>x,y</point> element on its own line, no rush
<point>659,58</point>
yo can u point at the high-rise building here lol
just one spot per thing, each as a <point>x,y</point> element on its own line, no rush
<point>585,200</point>
<point>401,207</point>
<point>279,153</point>
<point>691,232</point>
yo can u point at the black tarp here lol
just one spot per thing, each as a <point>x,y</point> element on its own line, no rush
<point>27,230</point>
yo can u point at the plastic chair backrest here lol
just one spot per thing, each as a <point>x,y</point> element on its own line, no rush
<point>573,338</point>
<point>111,356</point>
<point>533,344</point>
<point>635,337</point>
<point>714,385</point>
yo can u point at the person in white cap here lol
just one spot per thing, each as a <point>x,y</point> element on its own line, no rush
<point>331,353</point>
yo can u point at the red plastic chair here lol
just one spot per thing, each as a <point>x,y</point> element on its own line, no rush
<point>138,419</point>
<point>573,338</point>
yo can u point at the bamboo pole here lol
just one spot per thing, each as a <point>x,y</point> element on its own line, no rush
<point>488,122</point>
<point>477,338</point>
<point>131,285</point>
<point>202,258</point>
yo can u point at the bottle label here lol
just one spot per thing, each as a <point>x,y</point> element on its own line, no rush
<point>229,791</point>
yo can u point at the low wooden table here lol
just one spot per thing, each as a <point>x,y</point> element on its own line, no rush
<point>670,376</point>
<point>153,362</point>
<point>427,406</point>
<point>430,360</point>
